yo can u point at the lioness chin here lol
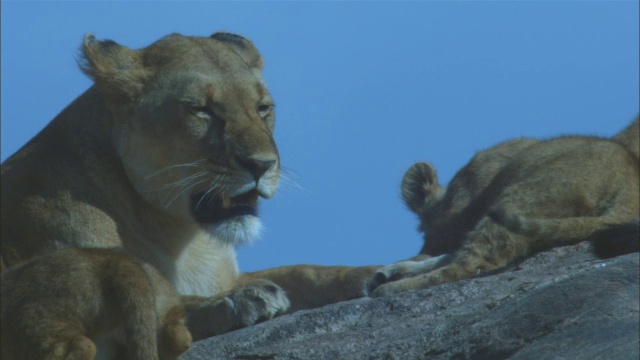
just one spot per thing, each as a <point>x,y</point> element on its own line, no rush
<point>515,199</point>
<point>167,157</point>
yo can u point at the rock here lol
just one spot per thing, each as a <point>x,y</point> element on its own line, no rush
<point>559,304</point>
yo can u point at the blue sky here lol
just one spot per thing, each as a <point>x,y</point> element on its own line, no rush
<point>363,90</point>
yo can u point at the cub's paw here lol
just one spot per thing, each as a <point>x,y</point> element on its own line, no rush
<point>420,188</point>
<point>403,270</point>
<point>259,301</point>
<point>76,348</point>
<point>396,287</point>
<point>174,337</point>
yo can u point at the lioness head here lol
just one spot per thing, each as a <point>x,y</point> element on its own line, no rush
<point>193,125</point>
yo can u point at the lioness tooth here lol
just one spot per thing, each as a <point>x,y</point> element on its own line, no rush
<point>253,199</point>
<point>226,200</point>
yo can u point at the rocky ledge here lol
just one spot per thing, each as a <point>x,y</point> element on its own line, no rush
<point>560,304</point>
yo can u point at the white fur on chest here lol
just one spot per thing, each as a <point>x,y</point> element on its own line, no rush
<point>206,267</point>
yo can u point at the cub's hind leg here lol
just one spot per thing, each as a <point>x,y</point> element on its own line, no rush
<point>486,248</point>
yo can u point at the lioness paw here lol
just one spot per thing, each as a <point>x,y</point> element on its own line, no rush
<point>258,302</point>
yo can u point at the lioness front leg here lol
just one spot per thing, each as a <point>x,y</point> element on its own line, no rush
<point>249,304</point>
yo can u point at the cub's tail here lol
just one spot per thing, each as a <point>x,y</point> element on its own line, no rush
<point>607,239</point>
<point>617,240</point>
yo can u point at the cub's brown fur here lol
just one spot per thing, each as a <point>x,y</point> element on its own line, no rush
<point>166,156</point>
<point>54,304</point>
<point>514,199</point>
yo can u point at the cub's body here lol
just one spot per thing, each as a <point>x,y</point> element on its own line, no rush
<point>514,199</point>
<point>70,304</point>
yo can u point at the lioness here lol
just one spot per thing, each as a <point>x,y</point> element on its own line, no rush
<point>166,156</point>
<point>47,315</point>
<point>514,199</point>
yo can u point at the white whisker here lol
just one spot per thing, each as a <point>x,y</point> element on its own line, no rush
<point>183,191</point>
<point>288,182</point>
<point>191,164</point>
<point>211,188</point>
<point>181,182</point>
<point>215,184</point>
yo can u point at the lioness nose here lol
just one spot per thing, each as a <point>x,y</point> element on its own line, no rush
<point>257,167</point>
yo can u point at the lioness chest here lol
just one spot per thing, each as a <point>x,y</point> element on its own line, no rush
<point>205,268</point>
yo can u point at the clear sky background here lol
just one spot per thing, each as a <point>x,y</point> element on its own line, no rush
<point>363,90</point>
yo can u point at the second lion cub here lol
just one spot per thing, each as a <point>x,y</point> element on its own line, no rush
<point>514,199</point>
<point>70,303</point>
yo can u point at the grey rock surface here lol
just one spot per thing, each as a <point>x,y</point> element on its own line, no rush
<point>559,304</point>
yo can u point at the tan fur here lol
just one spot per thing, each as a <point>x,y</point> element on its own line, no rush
<point>54,304</point>
<point>547,193</point>
<point>630,137</point>
<point>157,157</point>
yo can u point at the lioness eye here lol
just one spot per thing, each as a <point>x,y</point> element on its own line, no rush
<point>264,109</point>
<point>200,111</point>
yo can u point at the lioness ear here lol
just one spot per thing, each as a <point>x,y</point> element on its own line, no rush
<point>116,69</point>
<point>243,47</point>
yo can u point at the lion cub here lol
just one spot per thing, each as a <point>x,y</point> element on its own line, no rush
<point>68,303</point>
<point>515,199</point>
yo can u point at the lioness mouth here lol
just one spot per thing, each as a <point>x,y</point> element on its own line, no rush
<point>212,208</point>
